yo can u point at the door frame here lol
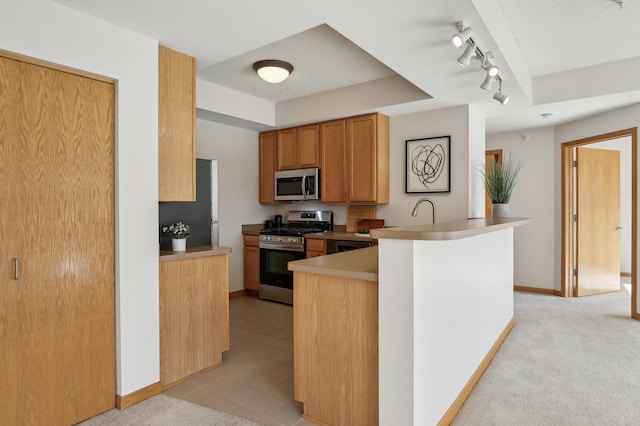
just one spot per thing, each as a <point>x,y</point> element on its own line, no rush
<point>567,244</point>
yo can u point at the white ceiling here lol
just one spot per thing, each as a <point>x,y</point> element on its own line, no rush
<point>573,58</point>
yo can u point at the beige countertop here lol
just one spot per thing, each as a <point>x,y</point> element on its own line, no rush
<point>449,230</point>
<point>193,252</point>
<point>338,234</point>
<point>361,264</point>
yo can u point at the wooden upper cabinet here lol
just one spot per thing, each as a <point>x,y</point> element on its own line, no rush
<point>333,139</point>
<point>298,148</point>
<point>287,149</point>
<point>352,154</point>
<point>367,154</point>
<point>308,148</point>
<point>267,166</point>
<point>177,124</point>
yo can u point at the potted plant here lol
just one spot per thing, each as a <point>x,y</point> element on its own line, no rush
<point>500,179</point>
<point>178,232</point>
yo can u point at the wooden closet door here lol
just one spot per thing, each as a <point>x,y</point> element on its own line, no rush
<point>59,313</point>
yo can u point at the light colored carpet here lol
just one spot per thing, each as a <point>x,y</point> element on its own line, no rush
<point>162,410</point>
<point>567,361</point>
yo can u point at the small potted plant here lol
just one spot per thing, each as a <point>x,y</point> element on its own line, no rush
<point>500,179</point>
<point>178,232</point>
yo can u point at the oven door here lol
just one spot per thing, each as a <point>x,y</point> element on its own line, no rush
<point>273,267</point>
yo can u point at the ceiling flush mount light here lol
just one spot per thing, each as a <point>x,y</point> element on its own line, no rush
<point>273,70</point>
<point>472,50</point>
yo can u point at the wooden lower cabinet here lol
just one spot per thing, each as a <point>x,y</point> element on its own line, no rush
<point>336,349</point>
<point>194,316</point>
<point>251,264</point>
<point>316,247</point>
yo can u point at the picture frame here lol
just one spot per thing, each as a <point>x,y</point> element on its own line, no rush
<point>428,165</point>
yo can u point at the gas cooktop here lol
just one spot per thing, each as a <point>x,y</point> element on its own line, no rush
<point>290,231</point>
<point>302,222</point>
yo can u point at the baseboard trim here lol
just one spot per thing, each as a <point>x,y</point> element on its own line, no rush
<point>238,293</point>
<point>625,274</point>
<point>558,293</point>
<point>140,395</point>
<point>190,376</point>
<point>464,394</point>
<point>534,289</point>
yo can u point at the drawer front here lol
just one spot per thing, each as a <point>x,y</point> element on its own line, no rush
<point>316,244</point>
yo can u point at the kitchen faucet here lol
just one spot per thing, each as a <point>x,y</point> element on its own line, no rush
<point>414,213</point>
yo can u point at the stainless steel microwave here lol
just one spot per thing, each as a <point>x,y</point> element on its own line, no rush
<point>297,185</point>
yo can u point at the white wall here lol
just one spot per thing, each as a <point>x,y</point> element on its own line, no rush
<point>237,153</point>
<point>533,197</point>
<point>624,146</point>
<point>47,31</point>
<point>623,118</point>
<point>449,206</point>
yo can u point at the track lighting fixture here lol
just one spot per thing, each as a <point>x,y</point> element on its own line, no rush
<point>499,96</point>
<point>468,55</point>
<point>491,69</point>
<point>488,81</point>
<point>472,50</point>
<point>461,36</point>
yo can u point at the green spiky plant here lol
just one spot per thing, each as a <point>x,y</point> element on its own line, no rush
<point>500,179</point>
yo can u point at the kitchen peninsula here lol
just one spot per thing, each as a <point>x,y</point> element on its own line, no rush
<point>400,333</point>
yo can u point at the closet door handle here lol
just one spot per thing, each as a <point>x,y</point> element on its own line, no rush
<point>16,271</point>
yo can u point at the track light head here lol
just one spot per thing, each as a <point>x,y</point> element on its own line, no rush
<point>468,55</point>
<point>488,81</point>
<point>461,36</point>
<point>488,66</point>
<point>501,97</point>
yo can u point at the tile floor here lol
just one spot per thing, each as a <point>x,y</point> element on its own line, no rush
<point>256,380</point>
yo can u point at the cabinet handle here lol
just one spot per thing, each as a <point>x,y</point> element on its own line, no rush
<point>16,272</point>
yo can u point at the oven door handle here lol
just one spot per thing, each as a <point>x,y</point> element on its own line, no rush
<point>280,246</point>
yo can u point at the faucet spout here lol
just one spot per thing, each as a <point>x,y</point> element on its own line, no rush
<point>414,213</point>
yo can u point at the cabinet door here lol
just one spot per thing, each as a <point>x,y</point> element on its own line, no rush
<point>307,146</point>
<point>176,121</point>
<point>368,159</point>
<point>287,149</point>
<point>316,247</point>
<point>267,166</point>
<point>361,155</point>
<point>332,160</point>
<point>251,263</point>
<point>194,316</point>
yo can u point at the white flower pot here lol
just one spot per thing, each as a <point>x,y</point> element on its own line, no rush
<point>179,244</point>
<point>500,210</point>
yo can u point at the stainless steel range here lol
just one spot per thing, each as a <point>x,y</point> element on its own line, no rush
<point>279,246</point>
